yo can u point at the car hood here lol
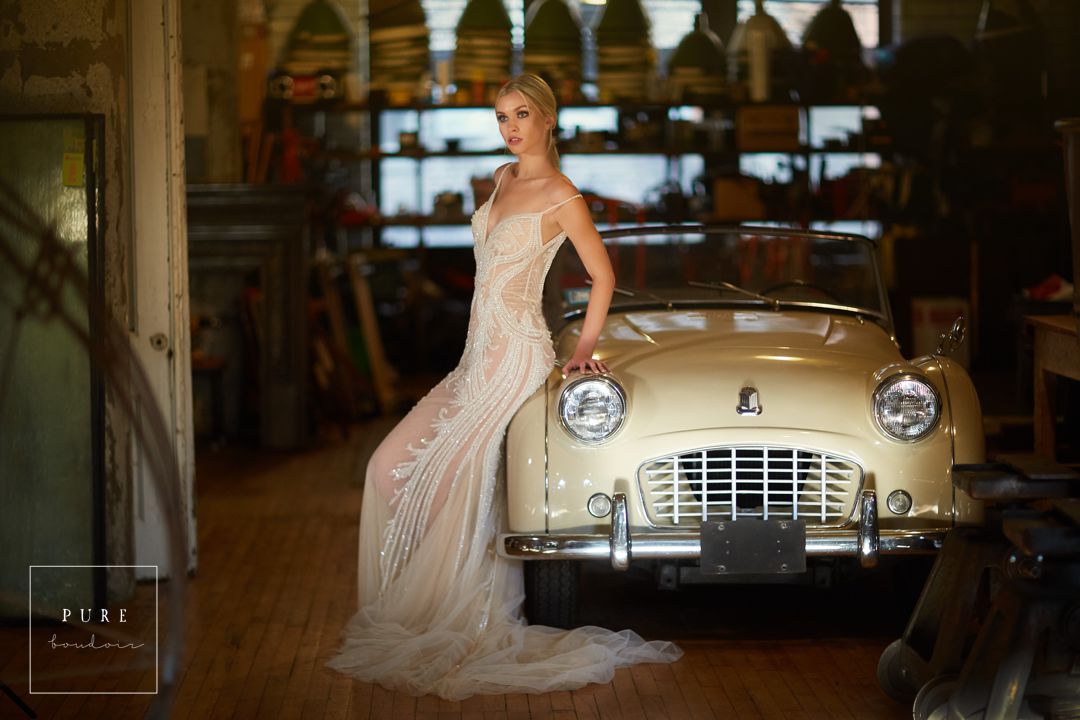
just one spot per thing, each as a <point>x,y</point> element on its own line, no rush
<point>683,370</point>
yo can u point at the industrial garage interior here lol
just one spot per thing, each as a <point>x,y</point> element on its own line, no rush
<point>240,240</point>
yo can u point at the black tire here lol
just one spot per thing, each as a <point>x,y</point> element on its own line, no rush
<point>891,677</point>
<point>551,592</point>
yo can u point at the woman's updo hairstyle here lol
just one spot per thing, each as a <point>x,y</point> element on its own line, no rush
<point>538,98</point>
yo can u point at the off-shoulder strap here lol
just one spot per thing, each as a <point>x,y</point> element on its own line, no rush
<point>560,204</point>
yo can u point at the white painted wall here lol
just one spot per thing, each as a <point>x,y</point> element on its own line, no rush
<point>159,305</point>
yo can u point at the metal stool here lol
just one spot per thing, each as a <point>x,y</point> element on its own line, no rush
<point>996,631</point>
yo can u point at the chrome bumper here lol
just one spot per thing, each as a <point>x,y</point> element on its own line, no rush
<point>865,542</point>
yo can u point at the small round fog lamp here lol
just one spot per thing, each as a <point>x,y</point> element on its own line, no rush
<point>599,505</point>
<point>899,502</point>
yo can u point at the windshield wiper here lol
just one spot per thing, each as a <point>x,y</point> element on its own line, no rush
<point>646,293</point>
<point>736,289</point>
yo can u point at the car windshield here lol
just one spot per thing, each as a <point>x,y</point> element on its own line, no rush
<point>698,267</point>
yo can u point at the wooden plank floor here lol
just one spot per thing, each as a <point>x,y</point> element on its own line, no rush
<point>275,585</point>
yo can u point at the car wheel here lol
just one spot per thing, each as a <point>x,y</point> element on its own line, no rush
<point>551,590</point>
<point>932,702</point>
<point>891,677</point>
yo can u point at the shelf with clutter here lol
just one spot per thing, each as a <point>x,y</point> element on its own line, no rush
<point>703,132</point>
<point>638,152</point>
<point>674,160</point>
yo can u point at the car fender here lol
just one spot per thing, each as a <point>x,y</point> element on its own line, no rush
<point>526,463</point>
<point>964,417</point>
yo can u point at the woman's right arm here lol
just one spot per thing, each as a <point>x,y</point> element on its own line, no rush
<point>575,219</point>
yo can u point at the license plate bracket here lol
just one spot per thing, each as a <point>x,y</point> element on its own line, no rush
<point>753,547</point>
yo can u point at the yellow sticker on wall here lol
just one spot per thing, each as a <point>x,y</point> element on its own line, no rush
<point>74,139</point>
<point>73,169</point>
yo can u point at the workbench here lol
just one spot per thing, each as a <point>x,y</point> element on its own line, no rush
<point>1057,353</point>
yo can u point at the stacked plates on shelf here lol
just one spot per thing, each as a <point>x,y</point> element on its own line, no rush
<point>553,45</point>
<point>697,67</point>
<point>483,50</point>
<point>625,57</point>
<point>319,41</point>
<point>399,48</point>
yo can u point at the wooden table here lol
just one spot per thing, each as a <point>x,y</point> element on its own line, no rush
<point>1057,352</point>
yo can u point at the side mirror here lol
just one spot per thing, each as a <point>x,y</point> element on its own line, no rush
<point>952,338</point>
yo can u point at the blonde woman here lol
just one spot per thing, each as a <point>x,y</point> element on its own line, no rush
<point>440,611</point>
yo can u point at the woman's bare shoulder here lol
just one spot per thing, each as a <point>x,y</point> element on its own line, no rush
<point>560,188</point>
<point>500,170</point>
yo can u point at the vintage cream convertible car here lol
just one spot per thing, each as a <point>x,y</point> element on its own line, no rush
<point>757,418</point>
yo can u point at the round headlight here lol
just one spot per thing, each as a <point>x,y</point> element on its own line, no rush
<point>592,408</point>
<point>906,407</point>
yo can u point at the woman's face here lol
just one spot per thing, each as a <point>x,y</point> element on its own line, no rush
<point>523,130</point>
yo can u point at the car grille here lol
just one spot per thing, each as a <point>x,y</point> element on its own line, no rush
<point>739,481</point>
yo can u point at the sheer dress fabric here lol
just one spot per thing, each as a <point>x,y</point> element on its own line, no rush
<point>439,610</point>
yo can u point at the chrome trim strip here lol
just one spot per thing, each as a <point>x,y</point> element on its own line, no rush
<point>547,434</point>
<point>952,430</point>
<point>633,326</point>
<point>736,230</point>
<point>881,319</point>
<point>810,305</point>
<point>869,541</point>
<point>687,546</point>
<point>620,532</point>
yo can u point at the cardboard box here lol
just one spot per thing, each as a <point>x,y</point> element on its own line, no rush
<point>737,199</point>
<point>767,128</point>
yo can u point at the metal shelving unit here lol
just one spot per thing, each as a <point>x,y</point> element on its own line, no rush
<point>435,154</point>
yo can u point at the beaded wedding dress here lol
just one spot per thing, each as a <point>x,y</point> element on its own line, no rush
<point>440,611</point>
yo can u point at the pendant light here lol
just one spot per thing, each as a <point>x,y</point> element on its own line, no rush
<point>697,68</point>
<point>760,57</point>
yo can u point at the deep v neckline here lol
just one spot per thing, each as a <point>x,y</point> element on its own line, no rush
<point>491,204</point>
<point>488,229</point>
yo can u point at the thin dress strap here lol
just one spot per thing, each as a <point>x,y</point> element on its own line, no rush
<point>498,181</point>
<point>490,202</point>
<point>559,204</point>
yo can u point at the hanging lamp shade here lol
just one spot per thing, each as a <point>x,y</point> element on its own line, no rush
<point>319,41</point>
<point>482,50</point>
<point>395,13</point>
<point>1002,17</point>
<point>625,57</point>
<point>762,22</point>
<point>623,20</point>
<point>484,15</point>
<point>1010,43</point>
<point>833,31</point>
<point>760,56</point>
<point>399,47</point>
<point>553,44</point>
<point>697,67</point>
<point>833,57</point>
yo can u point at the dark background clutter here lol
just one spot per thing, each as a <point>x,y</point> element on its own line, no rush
<point>935,137</point>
